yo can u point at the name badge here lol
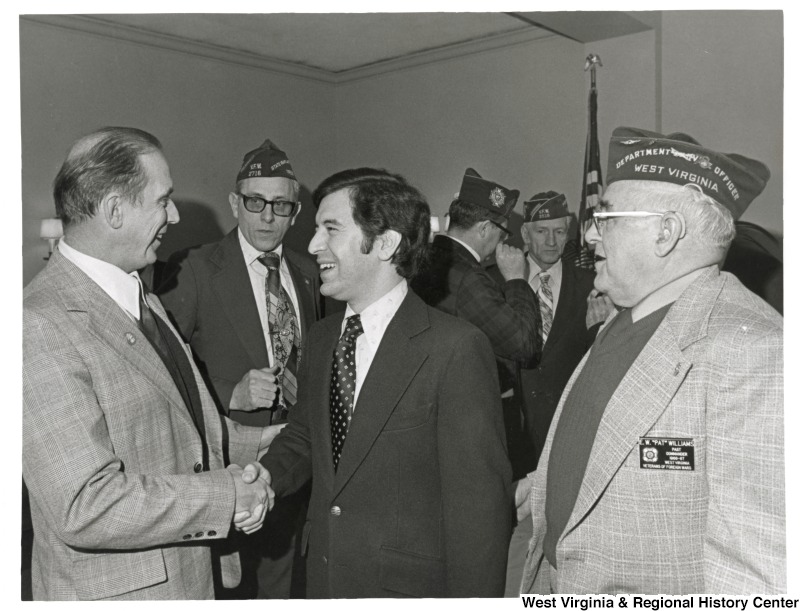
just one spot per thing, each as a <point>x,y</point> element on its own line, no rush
<point>666,454</point>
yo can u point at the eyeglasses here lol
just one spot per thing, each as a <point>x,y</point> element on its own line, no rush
<point>599,218</point>
<point>509,234</point>
<point>280,207</point>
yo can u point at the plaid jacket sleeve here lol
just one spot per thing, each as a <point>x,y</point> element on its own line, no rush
<point>508,315</point>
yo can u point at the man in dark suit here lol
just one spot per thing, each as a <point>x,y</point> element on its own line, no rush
<point>245,304</point>
<point>399,419</point>
<point>563,292</point>
<point>504,308</point>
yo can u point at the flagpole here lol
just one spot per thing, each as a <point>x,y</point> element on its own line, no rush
<point>592,173</point>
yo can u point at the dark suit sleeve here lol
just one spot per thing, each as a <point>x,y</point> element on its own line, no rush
<point>475,472</point>
<point>289,457</point>
<point>508,320</point>
<point>177,291</point>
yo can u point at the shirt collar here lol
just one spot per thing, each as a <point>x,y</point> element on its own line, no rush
<point>465,245</point>
<point>250,253</point>
<point>377,315</point>
<point>554,270</point>
<point>665,294</point>
<point>122,287</point>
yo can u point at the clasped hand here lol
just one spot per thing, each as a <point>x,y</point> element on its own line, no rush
<point>254,496</point>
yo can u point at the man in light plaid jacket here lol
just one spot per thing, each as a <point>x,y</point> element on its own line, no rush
<point>663,469</point>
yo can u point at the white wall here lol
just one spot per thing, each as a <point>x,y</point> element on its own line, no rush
<point>206,113</point>
<point>517,114</point>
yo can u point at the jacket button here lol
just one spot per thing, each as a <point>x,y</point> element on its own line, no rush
<point>336,510</point>
<point>212,533</point>
<point>198,467</point>
<point>187,537</point>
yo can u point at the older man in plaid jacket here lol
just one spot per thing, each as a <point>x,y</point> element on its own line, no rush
<point>663,469</point>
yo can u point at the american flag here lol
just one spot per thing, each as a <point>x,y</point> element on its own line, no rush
<point>592,174</point>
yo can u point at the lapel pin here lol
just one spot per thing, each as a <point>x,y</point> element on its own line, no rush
<point>130,338</point>
<point>677,369</point>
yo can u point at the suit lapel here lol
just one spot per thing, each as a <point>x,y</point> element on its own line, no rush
<point>395,365</point>
<point>111,325</point>
<point>318,386</point>
<point>649,386</point>
<point>231,284</point>
<point>565,312</point>
<point>304,289</point>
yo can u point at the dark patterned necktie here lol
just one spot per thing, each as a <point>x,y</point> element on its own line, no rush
<point>282,328</point>
<point>545,305</point>
<point>343,385</point>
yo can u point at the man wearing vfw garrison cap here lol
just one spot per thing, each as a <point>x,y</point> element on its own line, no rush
<point>663,469</point>
<point>456,282</point>
<point>244,304</point>
<point>567,332</point>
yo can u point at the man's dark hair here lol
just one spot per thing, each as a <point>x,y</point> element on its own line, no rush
<point>105,160</point>
<point>464,215</point>
<point>381,201</point>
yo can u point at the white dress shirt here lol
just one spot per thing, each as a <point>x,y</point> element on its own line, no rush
<point>555,272</point>
<point>374,320</point>
<point>122,287</point>
<point>258,279</point>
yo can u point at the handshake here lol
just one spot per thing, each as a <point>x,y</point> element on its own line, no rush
<point>254,496</point>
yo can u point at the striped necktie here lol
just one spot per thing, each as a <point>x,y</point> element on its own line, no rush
<point>282,329</point>
<point>545,305</point>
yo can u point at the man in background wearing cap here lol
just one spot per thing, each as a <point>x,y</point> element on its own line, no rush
<point>455,282</point>
<point>244,304</point>
<point>399,419</point>
<point>566,333</point>
<point>663,469</point>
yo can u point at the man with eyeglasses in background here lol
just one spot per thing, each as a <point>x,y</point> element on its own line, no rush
<point>244,304</point>
<point>663,470</point>
<point>456,282</point>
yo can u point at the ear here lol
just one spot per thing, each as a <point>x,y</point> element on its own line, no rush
<point>482,228</point>
<point>387,244</point>
<point>233,200</point>
<point>111,210</point>
<point>296,212</point>
<point>525,237</point>
<point>672,229</point>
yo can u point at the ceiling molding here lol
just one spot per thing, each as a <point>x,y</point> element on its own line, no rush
<point>98,27</point>
<point>462,49</point>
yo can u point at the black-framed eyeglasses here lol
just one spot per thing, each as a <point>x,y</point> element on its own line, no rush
<point>599,218</point>
<point>509,233</point>
<point>280,207</point>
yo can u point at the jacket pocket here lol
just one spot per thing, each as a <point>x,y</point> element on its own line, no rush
<point>411,574</point>
<point>105,575</point>
<point>409,417</point>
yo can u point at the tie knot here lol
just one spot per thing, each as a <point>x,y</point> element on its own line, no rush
<point>544,278</point>
<point>270,260</point>
<point>352,328</point>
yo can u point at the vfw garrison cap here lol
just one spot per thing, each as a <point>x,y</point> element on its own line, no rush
<point>495,198</point>
<point>267,161</point>
<point>731,179</point>
<point>545,206</point>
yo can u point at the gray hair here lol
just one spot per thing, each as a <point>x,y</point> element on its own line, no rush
<point>103,161</point>
<point>707,220</point>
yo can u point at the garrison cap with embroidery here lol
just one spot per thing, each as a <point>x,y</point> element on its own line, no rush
<point>732,180</point>
<point>545,206</point>
<point>267,161</point>
<point>487,194</point>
